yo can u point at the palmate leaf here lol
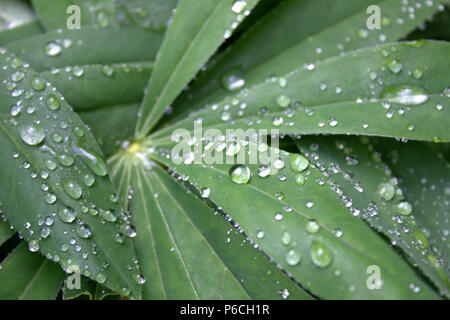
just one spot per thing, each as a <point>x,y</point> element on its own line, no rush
<point>393,90</point>
<point>358,173</point>
<point>424,178</point>
<point>28,276</point>
<point>306,229</point>
<point>196,31</point>
<point>53,162</point>
<point>187,251</point>
<point>298,35</point>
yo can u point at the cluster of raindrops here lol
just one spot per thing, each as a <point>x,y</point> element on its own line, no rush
<point>63,162</point>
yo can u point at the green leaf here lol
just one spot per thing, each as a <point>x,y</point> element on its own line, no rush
<point>89,45</point>
<point>121,122</point>
<point>101,86</point>
<point>307,229</point>
<point>5,232</point>
<point>424,178</point>
<point>29,276</point>
<point>371,100</point>
<point>357,171</point>
<point>297,35</point>
<point>55,14</point>
<point>20,32</point>
<point>149,14</point>
<point>185,250</point>
<point>14,13</point>
<point>53,162</point>
<point>196,31</point>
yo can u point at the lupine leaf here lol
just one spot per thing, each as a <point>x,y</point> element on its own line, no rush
<point>20,32</point>
<point>53,162</point>
<point>29,276</point>
<point>371,100</point>
<point>331,257</point>
<point>187,251</point>
<point>357,171</point>
<point>89,45</point>
<point>424,178</point>
<point>197,30</point>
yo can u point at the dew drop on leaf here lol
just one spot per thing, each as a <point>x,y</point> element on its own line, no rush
<point>240,174</point>
<point>32,134</point>
<point>321,256</point>
<point>405,95</point>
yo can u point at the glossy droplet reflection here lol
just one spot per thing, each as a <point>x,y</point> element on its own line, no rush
<point>32,134</point>
<point>240,174</point>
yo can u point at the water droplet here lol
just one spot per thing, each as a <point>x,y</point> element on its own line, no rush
<point>83,231</point>
<point>18,76</point>
<point>108,215</point>
<point>205,192</point>
<point>66,215</point>
<point>405,95</point>
<point>53,102</point>
<point>50,198</point>
<point>100,278</point>
<point>283,101</point>
<point>404,208</point>
<point>233,80</point>
<point>88,179</point>
<point>32,134</point>
<point>72,189</point>
<point>33,246</point>
<point>417,73</point>
<point>286,238</point>
<point>293,257</point>
<point>92,159</point>
<point>65,160</point>
<point>240,174</point>
<point>52,49</point>
<point>239,6</point>
<point>312,226</point>
<point>260,234</point>
<point>298,162</point>
<point>386,191</point>
<point>128,230</point>
<point>394,66</point>
<point>321,256</point>
<point>300,179</point>
<point>37,83</point>
<point>108,70</point>
<point>264,171</point>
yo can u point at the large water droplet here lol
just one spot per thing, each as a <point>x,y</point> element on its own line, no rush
<point>92,159</point>
<point>298,162</point>
<point>66,215</point>
<point>403,94</point>
<point>321,256</point>
<point>32,134</point>
<point>404,208</point>
<point>233,80</point>
<point>394,66</point>
<point>312,226</point>
<point>72,189</point>
<point>52,49</point>
<point>240,174</point>
<point>33,246</point>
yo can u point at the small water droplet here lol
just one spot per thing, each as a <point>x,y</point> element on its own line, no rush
<point>321,256</point>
